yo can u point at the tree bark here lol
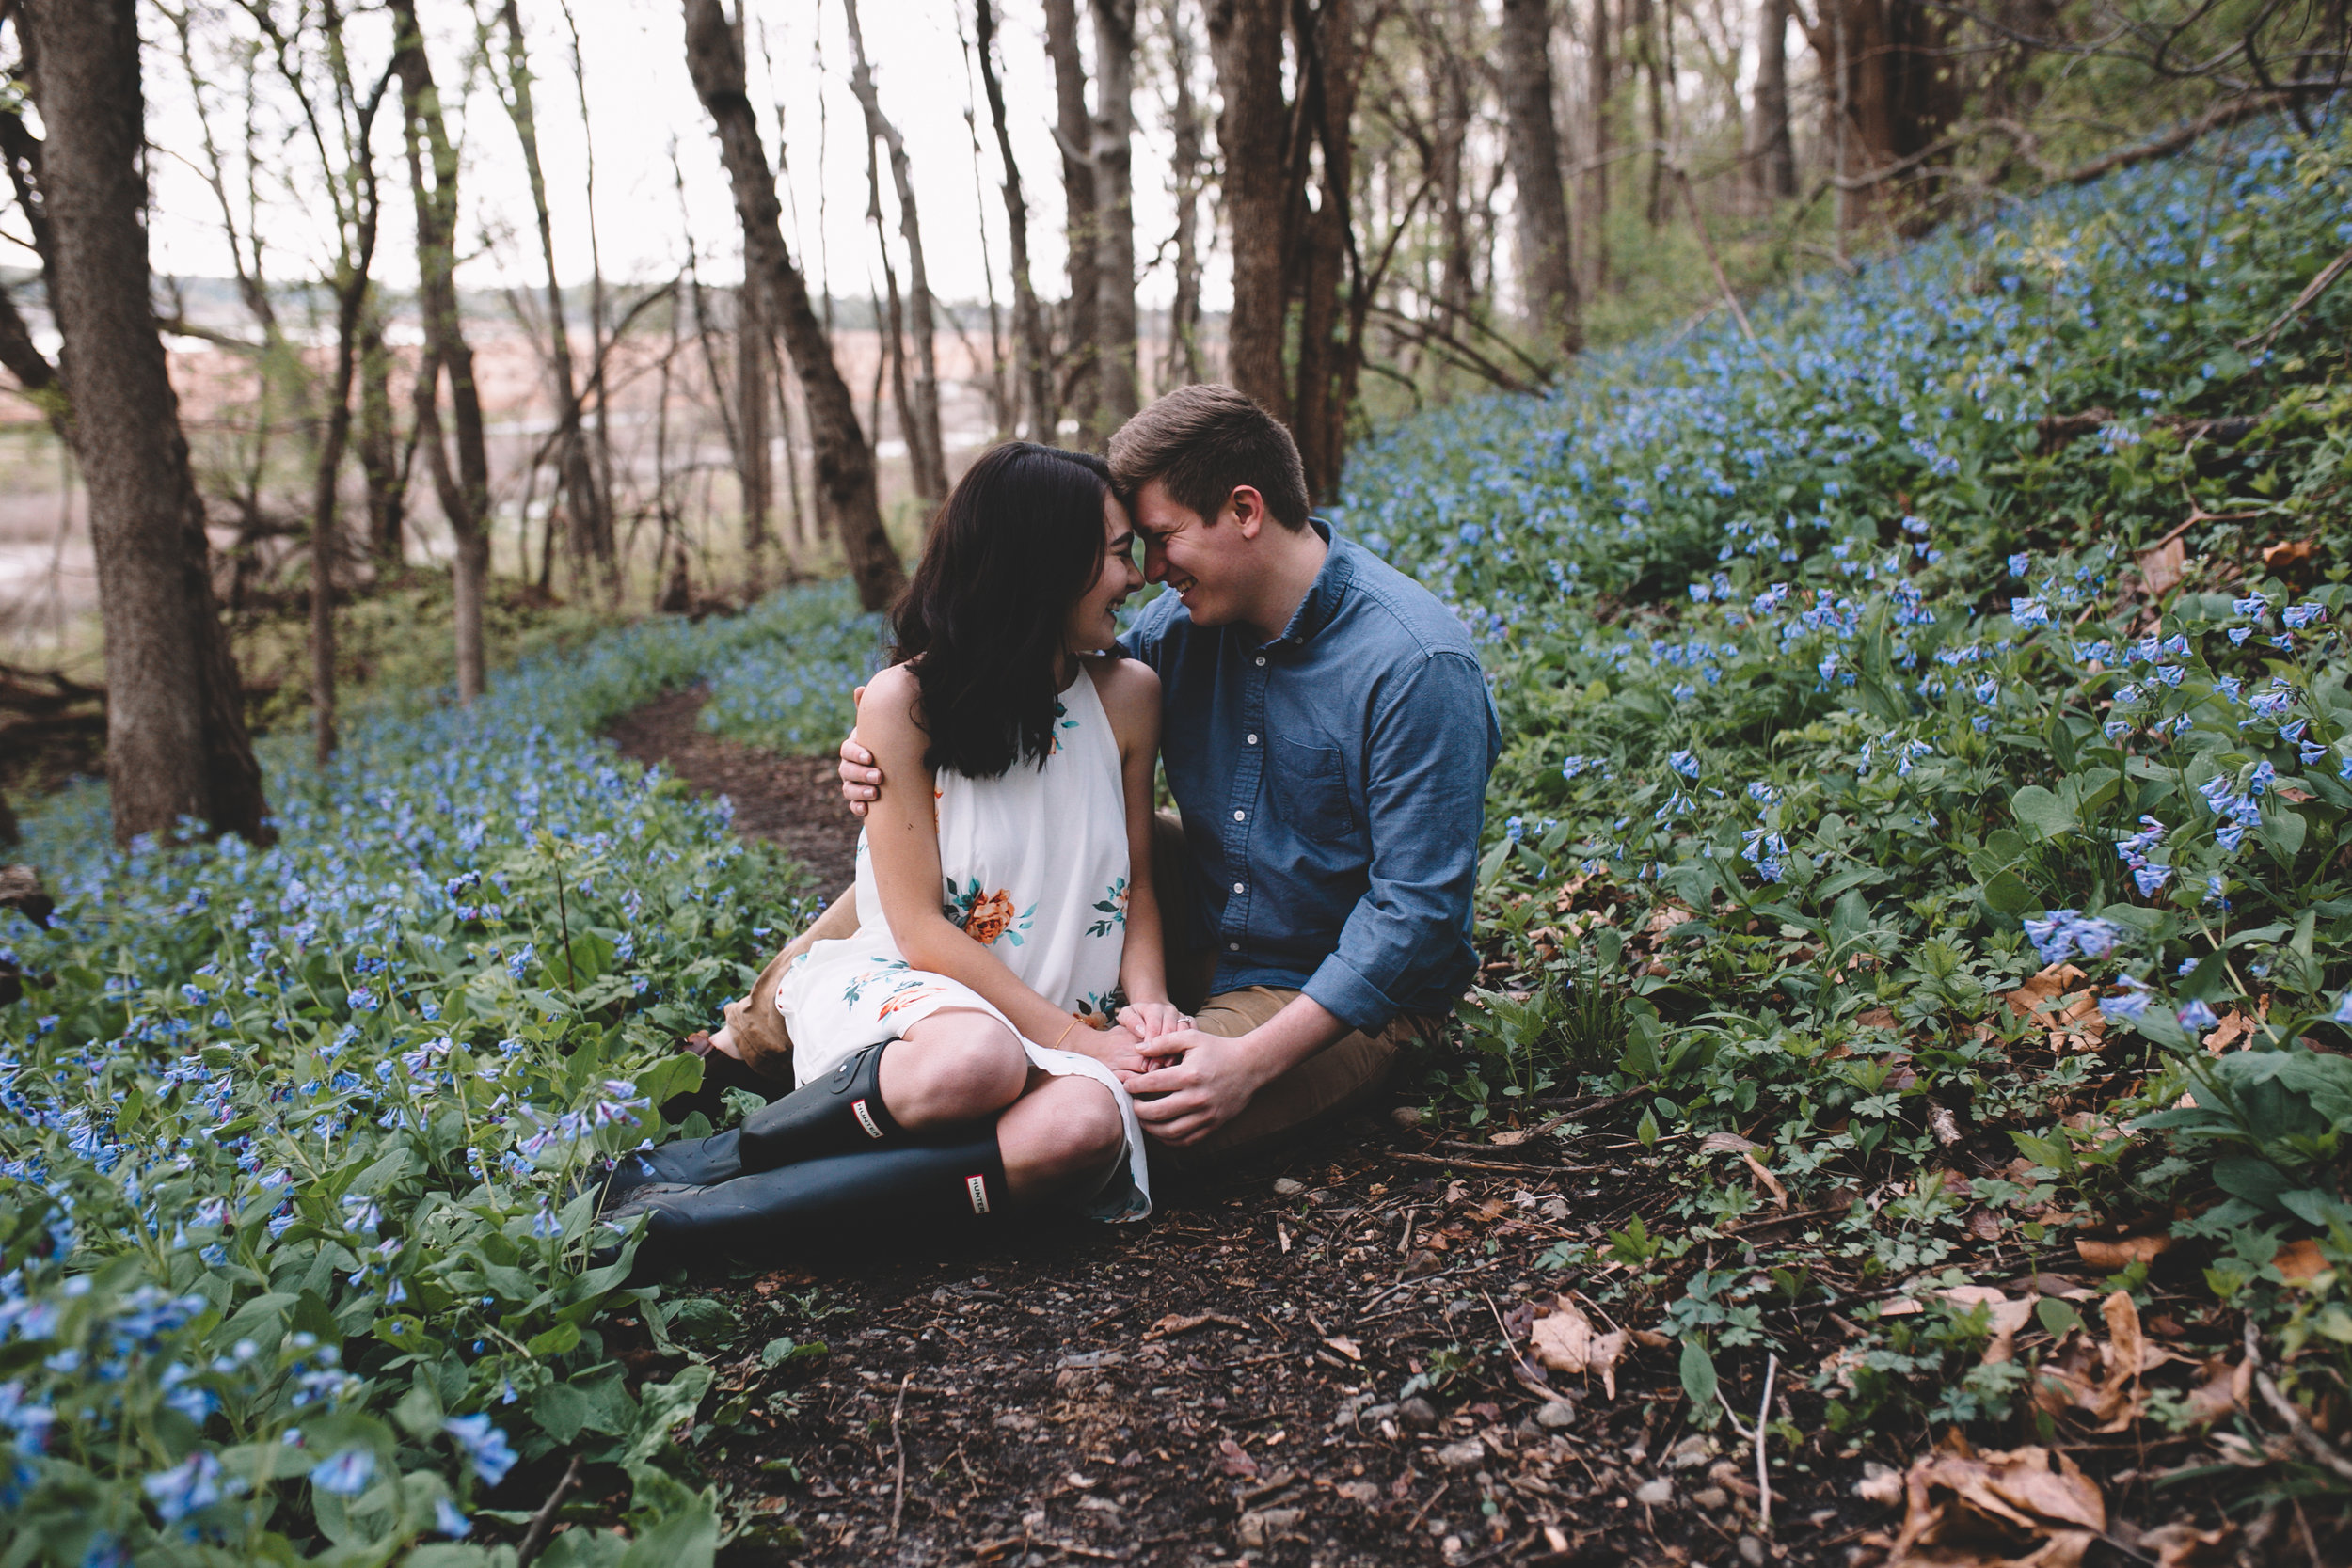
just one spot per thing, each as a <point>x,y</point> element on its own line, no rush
<point>1030,342</point>
<point>752,349</point>
<point>464,487</point>
<point>1773,165</point>
<point>1600,80</point>
<point>845,464</point>
<point>1253,133</point>
<point>1113,156</point>
<point>1899,94</point>
<point>176,742</point>
<point>377,447</point>
<point>583,499</point>
<point>1074,131</point>
<point>1643,19</point>
<point>1331,59</point>
<point>1182,366</point>
<point>1547,265</point>
<point>926,449</point>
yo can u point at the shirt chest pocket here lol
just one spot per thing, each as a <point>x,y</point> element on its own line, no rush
<point>1310,791</point>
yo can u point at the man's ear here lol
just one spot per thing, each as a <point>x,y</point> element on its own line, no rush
<point>1249,509</point>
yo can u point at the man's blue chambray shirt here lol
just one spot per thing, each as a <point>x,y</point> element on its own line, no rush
<point>1332,784</point>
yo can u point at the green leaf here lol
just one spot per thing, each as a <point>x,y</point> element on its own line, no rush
<point>2058,1315</point>
<point>1698,1376</point>
<point>2008,894</point>
<point>2047,815</point>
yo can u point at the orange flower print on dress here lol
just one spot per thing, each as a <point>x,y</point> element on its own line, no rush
<point>986,917</point>
<point>906,997</point>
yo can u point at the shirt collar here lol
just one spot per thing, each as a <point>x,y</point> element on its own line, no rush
<point>1325,595</point>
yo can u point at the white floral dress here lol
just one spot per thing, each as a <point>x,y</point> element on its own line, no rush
<point>1035,866</point>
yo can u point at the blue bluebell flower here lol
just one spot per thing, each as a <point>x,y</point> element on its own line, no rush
<point>346,1474</point>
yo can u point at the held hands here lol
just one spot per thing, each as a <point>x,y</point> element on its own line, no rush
<point>1115,1048</point>
<point>1147,1020</point>
<point>1198,1082</point>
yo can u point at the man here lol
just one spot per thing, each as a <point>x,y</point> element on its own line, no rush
<point>1327,737</point>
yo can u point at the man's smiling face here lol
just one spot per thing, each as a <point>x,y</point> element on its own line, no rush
<point>1206,560</point>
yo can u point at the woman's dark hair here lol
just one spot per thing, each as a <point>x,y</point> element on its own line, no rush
<point>1017,543</point>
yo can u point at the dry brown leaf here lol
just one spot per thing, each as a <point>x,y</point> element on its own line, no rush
<point>1346,1347</point>
<point>1564,1341</point>
<point>2161,568</point>
<point>2072,1017</point>
<point>1511,1139</point>
<point>1233,1460</point>
<point>2224,1389</point>
<point>2008,1317</point>
<point>2115,1257</point>
<point>2025,1508</point>
<point>1877,1017</point>
<point>2289,552</point>
<point>1177,1323</point>
<point>2233,1026</point>
<point>1664,918</point>
<point>2183,1545</point>
<point>2299,1263</point>
<point>1726,1143</point>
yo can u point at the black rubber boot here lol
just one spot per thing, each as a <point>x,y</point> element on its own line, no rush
<point>840,1113</point>
<point>766,1215</point>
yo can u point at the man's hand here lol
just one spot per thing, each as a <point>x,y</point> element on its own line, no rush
<point>861,781</point>
<point>1149,1021</point>
<point>1199,1083</point>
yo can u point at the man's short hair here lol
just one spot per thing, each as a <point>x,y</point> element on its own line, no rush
<point>1205,442</point>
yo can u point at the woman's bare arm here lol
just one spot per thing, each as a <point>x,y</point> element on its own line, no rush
<point>1131,695</point>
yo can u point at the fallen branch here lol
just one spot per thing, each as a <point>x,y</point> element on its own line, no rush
<point>2322,1451</point>
<point>537,1536</point>
<point>1763,1418</point>
<point>1494,1165</point>
<point>899,1484</point>
<point>2311,291</point>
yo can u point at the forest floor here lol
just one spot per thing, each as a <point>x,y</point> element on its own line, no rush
<point>1229,1383</point>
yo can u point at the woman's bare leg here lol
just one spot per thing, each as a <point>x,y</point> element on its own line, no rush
<point>1060,1139</point>
<point>957,1066</point>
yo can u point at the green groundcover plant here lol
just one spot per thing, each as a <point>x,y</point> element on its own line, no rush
<point>1979,619</point>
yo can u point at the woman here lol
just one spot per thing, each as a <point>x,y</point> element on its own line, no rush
<point>957,1054</point>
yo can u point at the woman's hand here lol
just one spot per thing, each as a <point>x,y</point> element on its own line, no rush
<point>1115,1048</point>
<point>1149,1021</point>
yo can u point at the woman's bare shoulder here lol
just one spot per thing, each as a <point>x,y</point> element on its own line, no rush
<point>894,702</point>
<point>1127,683</point>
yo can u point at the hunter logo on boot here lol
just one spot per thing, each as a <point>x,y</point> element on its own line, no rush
<point>976,1189</point>
<point>865,1118</point>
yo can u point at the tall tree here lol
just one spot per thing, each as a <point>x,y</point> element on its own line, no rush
<point>462,486</point>
<point>753,343</point>
<point>176,742</point>
<point>583,498</point>
<point>1547,265</point>
<point>1894,91</point>
<point>1031,346</point>
<point>1771,151</point>
<point>1600,78</point>
<point>1120,394</point>
<point>1074,131</point>
<point>1184,176</point>
<point>845,464</point>
<point>1253,133</point>
<point>925,447</point>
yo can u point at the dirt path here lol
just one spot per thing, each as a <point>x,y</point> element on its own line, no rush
<point>791,801</point>
<point>1222,1385</point>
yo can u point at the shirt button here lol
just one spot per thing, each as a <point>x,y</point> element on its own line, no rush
<point>1232,947</point>
<point>1240,815</point>
<point>1253,741</point>
<point>1261,662</point>
<point>1239,888</point>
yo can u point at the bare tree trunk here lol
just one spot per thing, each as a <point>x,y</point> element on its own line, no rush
<point>1547,265</point>
<point>1031,344</point>
<point>1073,133</point>
<point>1331,59</point>
<point>1004,399</point>
<point>1253,133</point>
<point>925,447</point>
<point>378,446</point>
<point>1895,92</point>
<point>845,464</point>
<point>750,390</point>
<point>583,498</point>
<point>1457,268</point>
<point>1773,152</point>
<point>599,390</point>
<point>1183,311</point>
<point>464,490</point>
<point>1601,78</point>
<point>1646,41</point>
<point>1118,394</point>
<point>176,743</point>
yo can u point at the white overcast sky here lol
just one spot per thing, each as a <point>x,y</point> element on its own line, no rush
<point>642,108</point>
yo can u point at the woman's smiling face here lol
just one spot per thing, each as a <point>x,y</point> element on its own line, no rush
<point>1094,625</point>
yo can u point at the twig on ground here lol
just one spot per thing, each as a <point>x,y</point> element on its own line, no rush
<point>1419,1513</point>
<point>537,1536</point>
<point>2311,1443</point>
<point>898,1485</point>
<point>1763,1419</point>
<point>1521,1170</point>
